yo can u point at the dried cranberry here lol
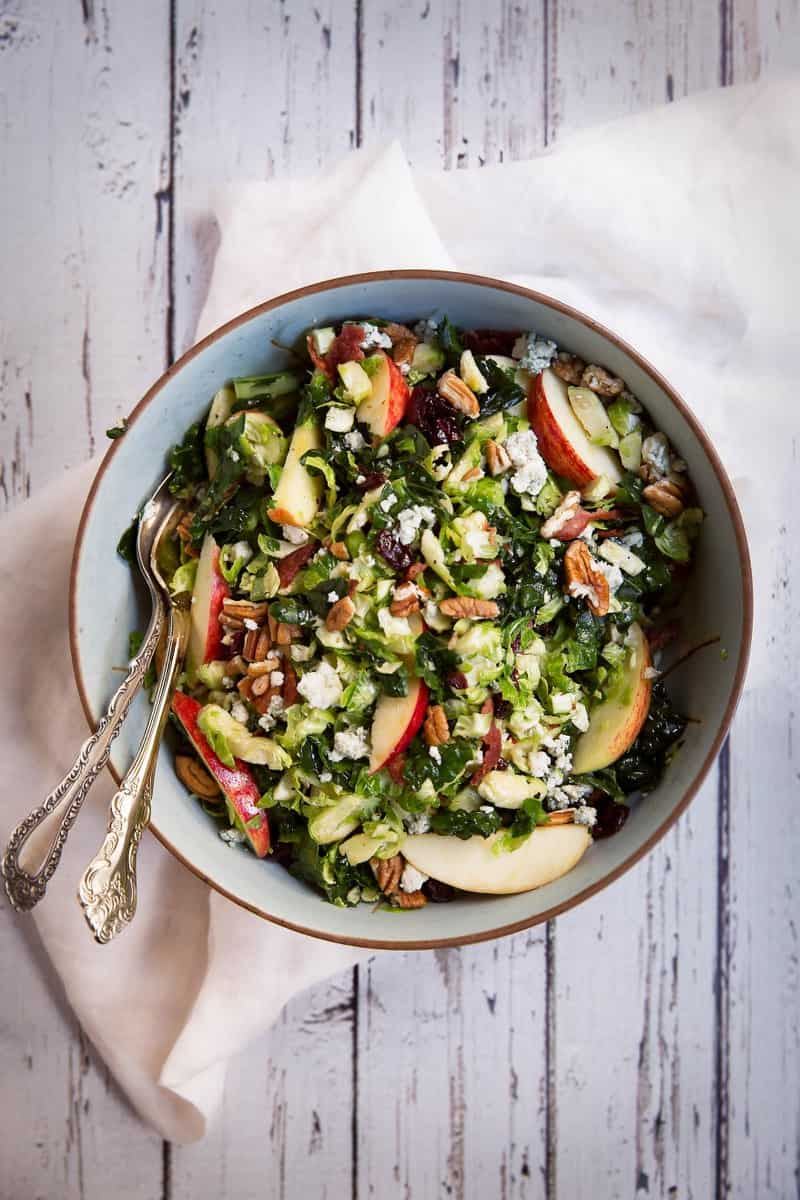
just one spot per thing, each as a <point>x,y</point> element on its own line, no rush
<point>502,708</point>
<point>501,765</point>
<point>436,892</point>
<point>490,341</point>
<point>433,416</point>
<point>457,680</point>
<point>611,816</point>
<point>393,551</point>
<point>373,480</point>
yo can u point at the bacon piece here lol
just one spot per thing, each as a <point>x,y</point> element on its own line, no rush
<point>289,683</point>
<point>395,766</point>
<point>575,526</point>
<point>492,744</point>
<point>345,347</point>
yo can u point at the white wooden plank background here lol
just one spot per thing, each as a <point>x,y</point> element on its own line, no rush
<point>647,1044</point>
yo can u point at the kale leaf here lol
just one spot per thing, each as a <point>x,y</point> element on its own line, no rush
<point>187,462</point>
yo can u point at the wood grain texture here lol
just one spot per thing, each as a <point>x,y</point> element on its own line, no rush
<point>451,1072</point>
<point>82,313</point>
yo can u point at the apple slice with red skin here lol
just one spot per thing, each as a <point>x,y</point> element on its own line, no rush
<point>386,405</point>
<point>210,589</point>
<point>563,443</point>
<point>237,782</point>
<point>397,719</point>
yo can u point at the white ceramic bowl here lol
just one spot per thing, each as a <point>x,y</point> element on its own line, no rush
<point>105,606</point>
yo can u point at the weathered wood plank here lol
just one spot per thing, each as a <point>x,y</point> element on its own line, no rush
<point>82,331</point>
<point>260,90</point>
<point>764,37</point>
<point>602,66</point>
<point>451,1070</point>
<point>460,83</point>
<point>286,1120</point>
<point>82,145</point>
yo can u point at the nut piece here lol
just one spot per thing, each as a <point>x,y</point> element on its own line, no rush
<point>568,367</point>
<point>340,614</point>
<point>260,686</point>
<point>583,578</point>
<point>467,606</point>
<point>456,392</point>
<point>339,550</point>
<point>246,610</point>
<point>284,633</point>
<point>600,381</point>
<point>562,816</point>
<point>405,600</point>
<point>263,667</point>
<point>228,622</point>
<point>289,683</point>
<point>196,778</point>
<point>497,458</point>
<point>415,570</point>
<point>665,497</point>
<point>397,333</point>
<point>409,899</point>
<point>436,731</point>
<point>558,519</point>
<point>387,872</point>
<point>403,350</point>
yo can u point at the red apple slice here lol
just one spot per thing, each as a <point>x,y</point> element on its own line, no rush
<point>237,782</point>
<point>396,721</point>
<point>210,589</point>
<point>563,443</point>
<point>386,405</point>
<point>614,724</point>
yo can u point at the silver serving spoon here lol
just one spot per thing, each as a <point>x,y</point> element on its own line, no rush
<point>35,847</point>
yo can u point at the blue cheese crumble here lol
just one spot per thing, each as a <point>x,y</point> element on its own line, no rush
<point>530,473</point>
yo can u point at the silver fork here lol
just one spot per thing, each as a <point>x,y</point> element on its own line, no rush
<point>29,862</point>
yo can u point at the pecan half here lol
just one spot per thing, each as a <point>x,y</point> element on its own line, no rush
<point>564,513</point>
<point>246,610</point>
<point>415,570</point>
<point>562,816</point>
<point>436,731</point>
<point>601,381</point>
<point>497,458</point>
<point>397,332</point>
<point>289,683</point>
<point>568,367</point>
<point>195,777</point>
<point>263,667</point>
<point>339,550</point>
<point>665,497</point>
<point>584,579</point>
<point>409,899</point>
<point>467,606</point>
<point>455,392</point>
<point>405,600</point>
<point>229,622</point>
<point>403,350</point>
<point>387,872</point>
<point>340,614</point>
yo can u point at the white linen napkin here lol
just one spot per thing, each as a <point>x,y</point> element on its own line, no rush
<point>677,228</point>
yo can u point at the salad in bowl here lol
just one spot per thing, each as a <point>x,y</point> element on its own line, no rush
<point>431,571</point>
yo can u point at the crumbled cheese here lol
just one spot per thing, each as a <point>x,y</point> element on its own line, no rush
<point>333,597</point>
<point>534,353</point>
<point>361,478</point>
<point>249,623</point>
<point>276,678</point>
<point>420,823</point>
<point>242,552</point>
<point>530,475</point>
<point>632,539</point>
<point>374,337</point>
<point>486,808</point>
<point>294,535</point>
<point>325,777</point>
<point>411,880</point>
<point>239,712</point>
<point>538,764</point>
<point>651,673</point>
<point>300,653</point>
<point>388,503</point>
<point>426,331</point>
<point>382,450</point>
<point>266,722</point>
<point>351,744</point>
<point>233,455</point>
<point>612,573</point>
<point>340,420</point>
<point>410,520</point>
<point>586,815</point>
<point>355,441</point>
<point>232,837</point>
<point>580,717</point>
<point>227,682</point>
<point>321,687</point>
<point>577,791</point>
<point>655,452</point>
<point>435,753</point>
<point>584,591</point>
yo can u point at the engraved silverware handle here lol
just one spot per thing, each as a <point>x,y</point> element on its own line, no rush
<point>29,862</point>
<point>107,890</point>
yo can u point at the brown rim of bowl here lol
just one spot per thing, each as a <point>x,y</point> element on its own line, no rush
<point>733,509</point>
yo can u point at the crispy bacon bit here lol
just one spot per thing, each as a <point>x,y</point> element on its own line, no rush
<point>292,563</point>
<point>492,744</point>
<point>289,683</point>
<point>346,347</point>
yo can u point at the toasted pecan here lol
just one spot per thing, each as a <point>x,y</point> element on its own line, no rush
<point>468,606</point>
<point>666,497</point>
<point>340,614</point>
<point>195,777</point>
<point>601,381</point>
<point>405,600</point>
<point>497,458</point>
<point>455,392</point>
<point>584,579</point>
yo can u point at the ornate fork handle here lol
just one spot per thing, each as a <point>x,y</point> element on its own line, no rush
<point>26,887</point>
<point>107,890</point>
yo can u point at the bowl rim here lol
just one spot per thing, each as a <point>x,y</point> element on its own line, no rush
<point>730,500</point>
